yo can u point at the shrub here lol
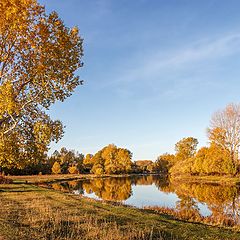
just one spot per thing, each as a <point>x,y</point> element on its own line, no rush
<point>56,168</point>
<point>73,170</point>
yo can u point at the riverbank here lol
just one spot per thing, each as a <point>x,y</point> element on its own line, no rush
<point>56,177</point>
<point>33,179</point>
<point>225,180</point>
<point>32,212</point>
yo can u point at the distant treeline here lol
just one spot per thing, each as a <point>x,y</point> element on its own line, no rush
<point>109,160</point>
<point>219,158</point>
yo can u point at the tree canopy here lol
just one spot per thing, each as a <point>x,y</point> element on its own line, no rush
<point>186,148</point>
<point>224,129</point>
<point>112,160</point>
<point>38,59</point>
<point>164,162</point>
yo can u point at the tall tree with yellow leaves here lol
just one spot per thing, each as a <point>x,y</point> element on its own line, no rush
<point>38,59</point>
<point>224,130</point>
<point>185,148</point>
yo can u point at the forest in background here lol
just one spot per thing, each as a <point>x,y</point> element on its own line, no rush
<point>219,158</point>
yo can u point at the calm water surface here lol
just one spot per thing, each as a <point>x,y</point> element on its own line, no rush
<point>152,190</point>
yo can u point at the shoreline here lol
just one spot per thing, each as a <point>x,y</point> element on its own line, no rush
<point>32,179</point>
<point>51,178</point>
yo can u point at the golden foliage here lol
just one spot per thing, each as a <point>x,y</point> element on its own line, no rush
<point>186,148</point>
<point>224,129</point>
<point>56,168</point>
<point>111,160</point>
<point>164,162</point>
<point>73,170</point>
<point>38,60</point>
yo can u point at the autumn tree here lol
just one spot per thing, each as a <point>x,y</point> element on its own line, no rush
<point>98,166</point>
<point>124,157</point>
<point>224,130</point>
<point>151,168</point>
<point>117,160</point>
<point>164,162</point>
<point>56,168</point>
<point>88,162</point>
<point>184,158</point>
<point>38,59</point>
<point>111,160</point>
<point>218,161</point>
<point>69,160</point>
<point>109,154</point>
<point>200,161</point>
<point>213,160</point>
<point>66,158</point>
<point>141,166</point>
<point>73,169</point>
<point>183,167</point>
<point>186,148</point>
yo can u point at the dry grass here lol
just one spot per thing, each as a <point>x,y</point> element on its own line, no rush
<point>63,177</point>
<point>39,221</point>
<point>47,178</point>
<point>29,212</point>
<point>194,216</point>
<point>35,215</point>
<point>58,177</point>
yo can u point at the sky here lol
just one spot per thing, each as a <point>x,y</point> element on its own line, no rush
<point>154,72</point>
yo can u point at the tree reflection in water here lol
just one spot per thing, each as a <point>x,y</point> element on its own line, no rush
<point>223,201</point>
<point>110,189</point>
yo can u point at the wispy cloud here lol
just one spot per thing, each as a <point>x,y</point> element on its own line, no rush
<point>155,64</point>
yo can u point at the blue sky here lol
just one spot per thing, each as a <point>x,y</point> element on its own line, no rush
<point>154,71</point>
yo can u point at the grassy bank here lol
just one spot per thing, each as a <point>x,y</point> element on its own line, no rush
<point>31,212</point>
<point>227,180</point>
<point>63,177</point>
<point>48,178</point>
